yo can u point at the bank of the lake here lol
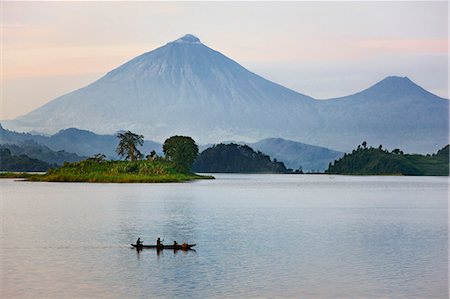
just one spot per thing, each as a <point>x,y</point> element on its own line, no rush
<point>14,175</point>
<point>93,171</point>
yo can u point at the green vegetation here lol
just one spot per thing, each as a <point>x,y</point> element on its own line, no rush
<point>182,151</point>
<point>14,175</point>
<point>9,162</point>
<point>377,161</point>
<point>101,171</point>
<point>180,154</point>
<point>234,158</point>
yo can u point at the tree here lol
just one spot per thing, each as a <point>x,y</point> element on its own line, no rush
<point>397,152</point>
<point>364,144</point>
<point>152,155</point>
<point>182,151</point>
<point>99,158</point>
<point>128,145</point>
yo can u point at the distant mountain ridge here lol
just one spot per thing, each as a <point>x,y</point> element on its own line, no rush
<point>72,140</point>
<point>41,152</point>
<point>22,162</point>
<point>58,147</point>
<point>187,88</point>
<point>395,112</point>
<point>297,155</point>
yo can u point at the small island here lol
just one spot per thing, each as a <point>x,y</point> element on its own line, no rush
<point>180,153</point>
<point>97,171</point>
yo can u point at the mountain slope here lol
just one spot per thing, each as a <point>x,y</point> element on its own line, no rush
<point>395,112</point>
<point>187,88</point>
<point>183,87</point>
<point>41,152</point>
<point>11,162</point>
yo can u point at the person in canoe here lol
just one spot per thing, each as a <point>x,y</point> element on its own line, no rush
<point>139,242</point>
<point>158,243</point>
<point>175,244</point>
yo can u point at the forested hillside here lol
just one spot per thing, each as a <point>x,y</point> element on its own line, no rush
<point>377,161</point>
<point>234,158</point>
<point>9,162</point>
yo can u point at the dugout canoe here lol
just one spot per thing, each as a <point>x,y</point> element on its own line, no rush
<point>178,247</point>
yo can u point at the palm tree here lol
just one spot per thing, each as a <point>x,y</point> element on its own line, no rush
<point>128,145</point>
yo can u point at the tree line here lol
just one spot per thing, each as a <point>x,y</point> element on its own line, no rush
<point>366,160</point>
<point>180,150</point>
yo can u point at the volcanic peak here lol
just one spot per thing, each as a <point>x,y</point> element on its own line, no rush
<point>188,38</point>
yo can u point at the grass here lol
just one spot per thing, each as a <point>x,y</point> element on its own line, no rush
<point>15,175</point>
<point>92,171</point>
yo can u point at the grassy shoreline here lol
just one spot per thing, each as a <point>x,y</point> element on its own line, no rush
<point>91,171</point>
<point>116,179</point>
<point>15,175</point>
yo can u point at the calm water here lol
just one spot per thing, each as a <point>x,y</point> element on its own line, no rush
<point>258,236</point>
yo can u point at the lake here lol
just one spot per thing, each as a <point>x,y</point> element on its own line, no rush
<point>257,236</point>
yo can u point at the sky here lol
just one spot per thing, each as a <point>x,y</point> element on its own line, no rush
<point>321,49</point>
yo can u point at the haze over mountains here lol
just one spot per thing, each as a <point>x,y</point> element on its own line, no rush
<point>75,145</point>
<point>185,87</point>
<point>81,142</point>
<point>297,155</point>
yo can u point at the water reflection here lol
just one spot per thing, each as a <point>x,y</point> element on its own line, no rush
<point>181,213</point>
<point>172,214</point>
<point>159,251</point>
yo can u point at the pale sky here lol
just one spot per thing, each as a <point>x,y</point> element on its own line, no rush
<point>321,49</point>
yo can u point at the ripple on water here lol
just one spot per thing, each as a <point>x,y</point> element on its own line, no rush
<point>258,236</point>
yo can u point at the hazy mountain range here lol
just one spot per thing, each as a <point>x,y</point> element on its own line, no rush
<point>41,152</point>
<point>297,155</point>
<point>187,88</point>
<point>82,142</point>
<point>74,145</point>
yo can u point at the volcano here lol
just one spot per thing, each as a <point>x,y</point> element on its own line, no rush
<point>187,88</point>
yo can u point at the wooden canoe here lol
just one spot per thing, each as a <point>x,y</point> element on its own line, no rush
<point>178,247</point>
